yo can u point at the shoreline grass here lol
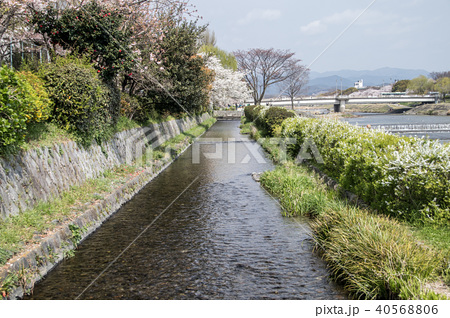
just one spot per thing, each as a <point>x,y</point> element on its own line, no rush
<point>373,256</point>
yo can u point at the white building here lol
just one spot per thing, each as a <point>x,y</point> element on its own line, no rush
<point>359,84</point>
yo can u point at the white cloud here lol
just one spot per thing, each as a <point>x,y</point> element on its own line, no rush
<point>314,27</point>
<point>260,14</point>
<point>372,20</point>
<point>345,17</point>
<point>321,26</point>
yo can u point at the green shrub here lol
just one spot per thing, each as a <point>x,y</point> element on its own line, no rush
<point>404,177</point>
<point>129,106</point>
<point>267,119</point>
<point>249,113</point>
<point>258,117</point>
<point>273,118</point>
<point>23,100</point>
<point>40,105</point>
<point>82,102</point>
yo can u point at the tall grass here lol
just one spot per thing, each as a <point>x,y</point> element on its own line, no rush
<point>374,256</point>
<point>299,192</point>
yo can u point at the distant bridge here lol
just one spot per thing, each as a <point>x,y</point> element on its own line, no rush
<point>340,101</point>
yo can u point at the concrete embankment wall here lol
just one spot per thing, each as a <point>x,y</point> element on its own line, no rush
<point>42,174</point>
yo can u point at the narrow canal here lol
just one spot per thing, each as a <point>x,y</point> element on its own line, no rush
<point>198,231</point>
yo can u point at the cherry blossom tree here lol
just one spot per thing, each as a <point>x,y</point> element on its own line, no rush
<point>228,87</point>
<point>152,28</point>
<point>147,21</point>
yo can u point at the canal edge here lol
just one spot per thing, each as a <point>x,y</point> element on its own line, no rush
<point>31,266</point>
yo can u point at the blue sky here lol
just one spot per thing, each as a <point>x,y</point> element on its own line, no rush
<point>413,34</point>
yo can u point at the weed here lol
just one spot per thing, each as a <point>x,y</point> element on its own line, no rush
<point>5,255</point>
<point>76,234</point>
<point>51,255</point>
<point>68,254</point>
<point>8,285</point>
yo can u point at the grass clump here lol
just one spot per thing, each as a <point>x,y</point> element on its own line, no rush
<point>373,256</point>
<point>376,257</point>
<point>246,126</point>
<point>298,191</point>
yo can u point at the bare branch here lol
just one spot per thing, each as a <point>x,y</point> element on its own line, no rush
<point>263,68</point>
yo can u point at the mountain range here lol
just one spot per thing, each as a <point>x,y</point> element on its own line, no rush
<point>326,81</point>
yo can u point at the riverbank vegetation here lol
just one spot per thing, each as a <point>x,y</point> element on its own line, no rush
<point>397,247</point>
<point>407,178</point>
<point>374,108</point>
<point>439,82</point>
<point>440,109</point>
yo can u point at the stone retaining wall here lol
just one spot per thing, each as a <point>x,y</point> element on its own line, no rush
<point>42,174</point>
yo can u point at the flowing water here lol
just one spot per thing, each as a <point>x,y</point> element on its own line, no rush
<point>203,229</point>
<point>433,127</point>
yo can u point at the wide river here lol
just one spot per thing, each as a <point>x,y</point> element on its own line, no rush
<point>415,121</point>
<point>203,229</point>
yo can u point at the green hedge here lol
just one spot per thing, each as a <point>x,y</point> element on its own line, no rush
<point>250,113</point>
<point>403,177</point>
<point>23,100</point>
<point>274,117</point>
<point>267,119</point>
<point>83,103</point>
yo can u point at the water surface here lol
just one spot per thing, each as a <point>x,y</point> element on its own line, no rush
<point>401,119</point>
<point>198,231</point>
